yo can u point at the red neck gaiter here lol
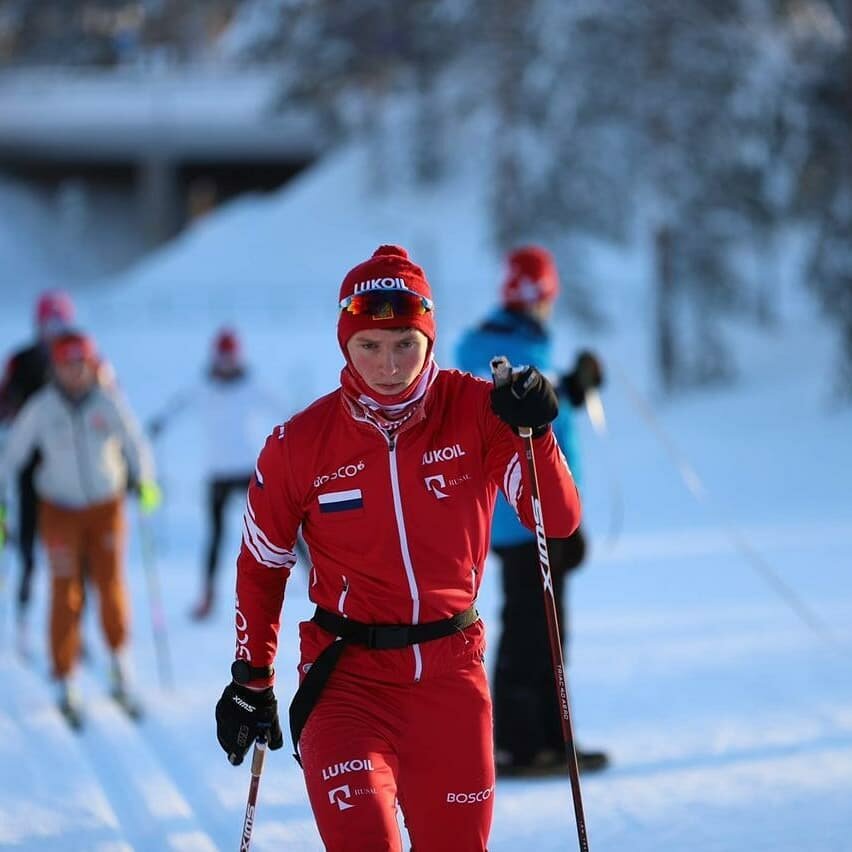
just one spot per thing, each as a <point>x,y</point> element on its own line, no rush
<point>389,412</point>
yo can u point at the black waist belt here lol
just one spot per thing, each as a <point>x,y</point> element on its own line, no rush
<point>378,637</point>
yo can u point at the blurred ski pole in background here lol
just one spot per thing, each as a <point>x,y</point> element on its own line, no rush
<point>5,563</point>
<point>155,603</point>
<point>597,417</point>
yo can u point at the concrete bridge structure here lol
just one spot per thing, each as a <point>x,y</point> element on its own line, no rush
<point>176,141</point>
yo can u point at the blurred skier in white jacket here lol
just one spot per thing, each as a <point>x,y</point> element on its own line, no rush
<point>91,448</point>
<point>230,406</point>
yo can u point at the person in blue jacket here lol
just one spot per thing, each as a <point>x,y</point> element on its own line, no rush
<point>527,726</point>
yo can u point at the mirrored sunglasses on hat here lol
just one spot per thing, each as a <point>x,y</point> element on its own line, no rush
<point>387,304</point>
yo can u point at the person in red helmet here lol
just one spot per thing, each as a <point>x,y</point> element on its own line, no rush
<point>393,478</point>
<point>54,313</point>
<point>90,447</point>
<point>527,720</point>
<point>27,370</point>
<point>229,403</point>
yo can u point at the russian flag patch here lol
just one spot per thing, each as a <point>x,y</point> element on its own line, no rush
<point>341,501</point>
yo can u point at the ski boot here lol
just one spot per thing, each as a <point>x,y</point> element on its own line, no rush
<point>70,705</point>
<point>549,763</point>
<point>120,691</point>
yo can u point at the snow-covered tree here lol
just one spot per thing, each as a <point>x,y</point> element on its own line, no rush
<point>821,34</point>
<point>613,110</point>
<point>684,118</point>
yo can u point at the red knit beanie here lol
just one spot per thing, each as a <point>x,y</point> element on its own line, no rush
<point>72,346</point>
<point>531,277</point>
<point>389,269</point>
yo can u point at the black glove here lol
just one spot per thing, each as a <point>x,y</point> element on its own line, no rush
<point>527,400</point>
<point>243,715</point>
<point>587,374</point>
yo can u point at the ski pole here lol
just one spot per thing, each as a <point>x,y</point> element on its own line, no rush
<point>501,370</point>
<point>6,544</point>
<point>5,559</point>
<point>257,758</point>
<point>597,417</point>
<point>158,618</point>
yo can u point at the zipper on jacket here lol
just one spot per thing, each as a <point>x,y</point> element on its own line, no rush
<point>80,452</point>
<point>406,555</point>
<point>403,539</point>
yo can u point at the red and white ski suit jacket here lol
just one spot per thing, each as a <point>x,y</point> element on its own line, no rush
<point>397,527</point>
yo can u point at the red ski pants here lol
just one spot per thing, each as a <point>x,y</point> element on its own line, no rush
<point>428,746</point>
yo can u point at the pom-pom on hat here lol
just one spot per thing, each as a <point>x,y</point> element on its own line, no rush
<point>530,278</point>
<point>386,291</point>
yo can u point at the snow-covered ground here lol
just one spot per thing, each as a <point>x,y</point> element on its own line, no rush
<point>728,718</point>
